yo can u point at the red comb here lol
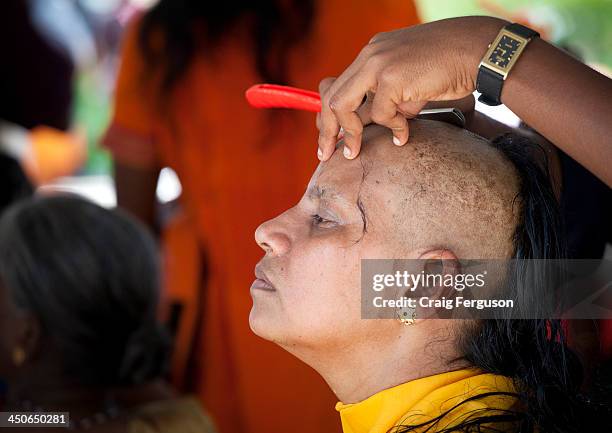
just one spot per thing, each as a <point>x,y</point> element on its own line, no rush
<point>276,96</point>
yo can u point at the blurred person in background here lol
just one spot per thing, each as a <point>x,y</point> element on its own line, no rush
<point>15,184</point>
<point>78,300</point>
<point>180,104</point>
<point>36,96</point>
<point>30,97</point>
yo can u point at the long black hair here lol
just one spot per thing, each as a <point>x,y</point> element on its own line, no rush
<point>15,184</point>
<point>173,32</point>
<point>90,277</point>
<point>547,375</point>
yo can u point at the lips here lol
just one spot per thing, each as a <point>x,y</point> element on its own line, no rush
<point>261,280</point>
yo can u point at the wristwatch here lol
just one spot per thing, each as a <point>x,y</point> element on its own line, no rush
<point>499,59</point>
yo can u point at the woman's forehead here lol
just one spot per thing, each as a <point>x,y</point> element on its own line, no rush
<point>336,179</point>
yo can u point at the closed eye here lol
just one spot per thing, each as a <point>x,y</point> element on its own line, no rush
<point>318,220</point>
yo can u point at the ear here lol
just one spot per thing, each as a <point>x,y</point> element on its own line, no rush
<point>442,262</point>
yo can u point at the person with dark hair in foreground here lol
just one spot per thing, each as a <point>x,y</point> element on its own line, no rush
<point>79,290</point>
<point>447,195</point>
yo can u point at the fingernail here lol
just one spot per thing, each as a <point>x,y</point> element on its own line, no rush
<point>346,152</point>
<point>320,153</point>
<point>396,141</point>
<point>341,133</point>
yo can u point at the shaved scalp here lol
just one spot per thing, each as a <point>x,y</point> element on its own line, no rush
<point>446,188</point>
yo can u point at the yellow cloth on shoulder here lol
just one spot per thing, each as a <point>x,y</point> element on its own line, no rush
<point>423,399</point>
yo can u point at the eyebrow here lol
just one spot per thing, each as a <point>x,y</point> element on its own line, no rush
<point>324,192</point>
<point>317,192</point>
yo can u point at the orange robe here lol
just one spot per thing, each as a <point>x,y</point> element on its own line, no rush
<point>238,167</point>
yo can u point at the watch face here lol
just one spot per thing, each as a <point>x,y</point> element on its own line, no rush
<point>504,50</point>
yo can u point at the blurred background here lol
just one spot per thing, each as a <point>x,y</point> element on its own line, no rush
<point>89,33</point>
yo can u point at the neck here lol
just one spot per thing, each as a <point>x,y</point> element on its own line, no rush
<point>359,371</point>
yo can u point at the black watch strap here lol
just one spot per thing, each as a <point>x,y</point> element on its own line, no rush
<point>522,31</point>
<point>489,84</point>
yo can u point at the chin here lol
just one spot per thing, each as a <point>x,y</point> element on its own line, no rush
<point>260,324</point>
<point>269,328</point>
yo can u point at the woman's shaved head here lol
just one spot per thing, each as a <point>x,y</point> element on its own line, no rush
<point>447,189</point>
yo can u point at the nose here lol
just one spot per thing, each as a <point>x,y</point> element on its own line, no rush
<point>271,237</point>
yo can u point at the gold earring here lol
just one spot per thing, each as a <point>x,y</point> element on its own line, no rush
<point>19,356</point>
<point>407,315</point>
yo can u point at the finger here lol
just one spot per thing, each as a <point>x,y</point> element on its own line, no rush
<point>325,84</point>
<point>352,130</point>
<point>382,36</point>
<point>365,115</point>
<point>385,112</point>
<point>345,102</point>
<point>363,58</point>
<point>324,87</point>
<point>326,122</point>
<point>318,122</point>
<point>411,109</point>
<point>365,110</point>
